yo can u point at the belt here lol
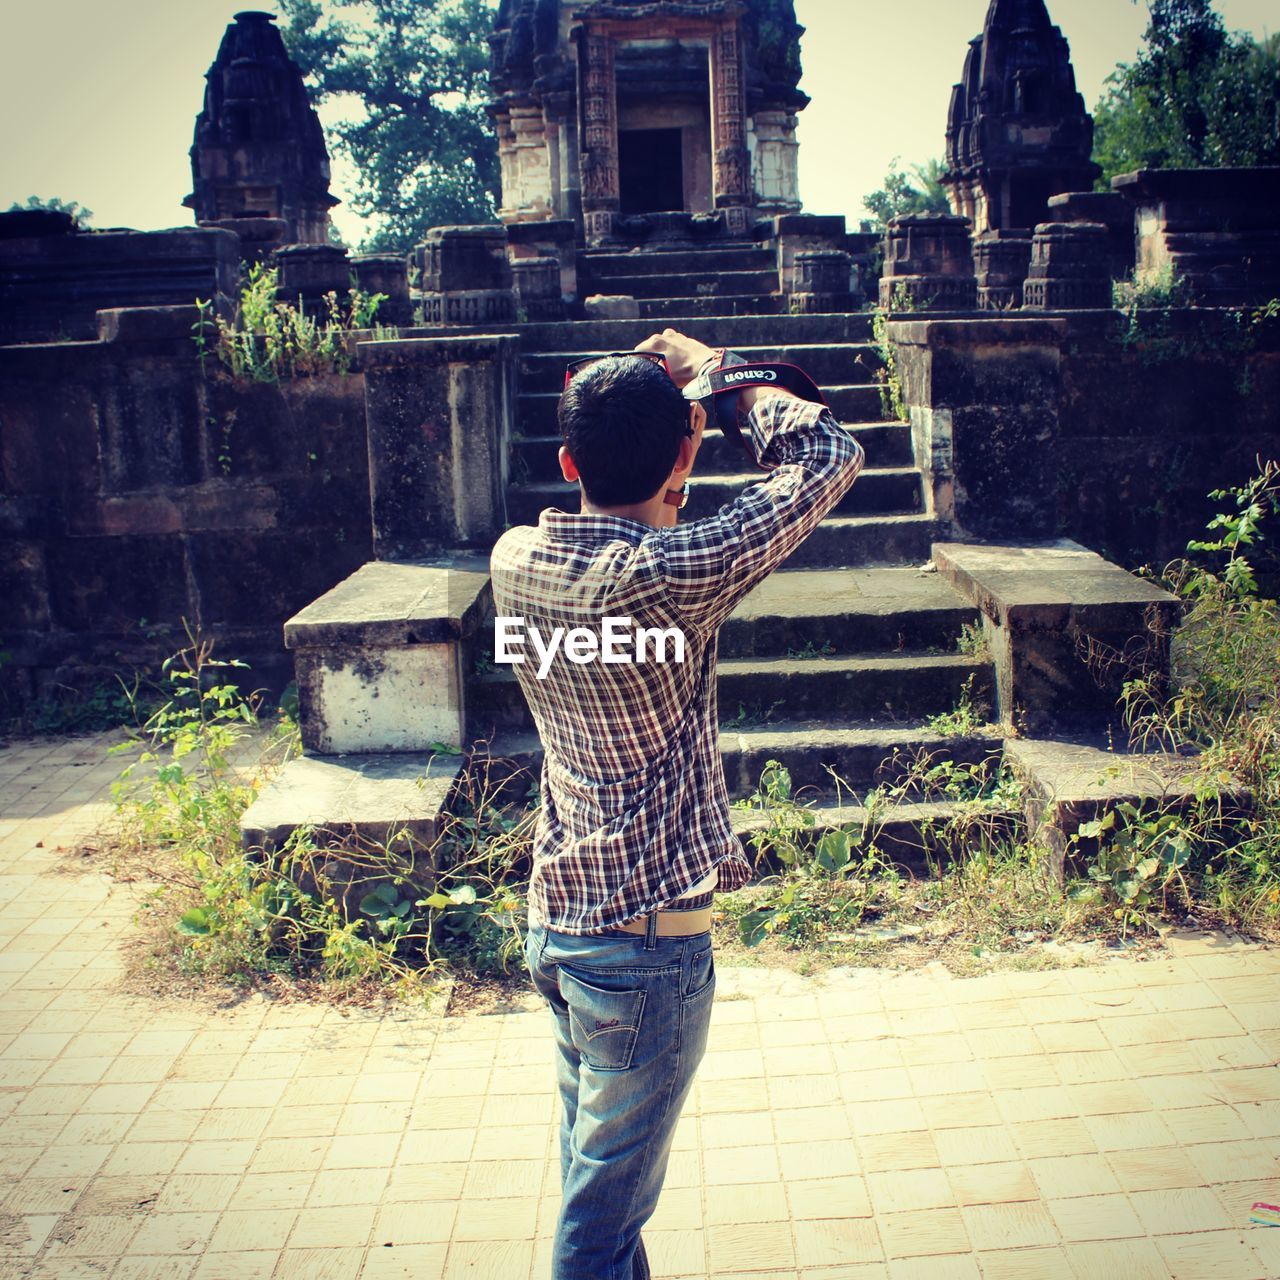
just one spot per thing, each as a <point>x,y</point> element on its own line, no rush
<point>672,924</point>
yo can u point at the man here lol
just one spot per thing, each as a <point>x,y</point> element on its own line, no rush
<point>634,831</point>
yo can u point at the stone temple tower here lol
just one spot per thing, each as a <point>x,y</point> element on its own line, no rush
<point>1018,131</point>
<point>259,148</point>
<point>608,109</point>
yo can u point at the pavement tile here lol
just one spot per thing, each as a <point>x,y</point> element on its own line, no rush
<point>831,1242</point>
<point>1100,1217</point>
<point>913,1235</point>
<point>1153,1169</point>
<point>1009,1226</point>
<point>907,1150</point>
<point>1211,1255</point>
<point>1025,1264</point>
<point>755,1246</point>
<point>992,1183</point>
<point>984,1144</point>
<point>829,1198</point>
<point>1179,1210</point>
<point>1110,1259</point>
<point>896,1192</point>
<point>747,1203</point>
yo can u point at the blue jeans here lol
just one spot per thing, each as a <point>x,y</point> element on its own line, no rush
<point>630,1016</point>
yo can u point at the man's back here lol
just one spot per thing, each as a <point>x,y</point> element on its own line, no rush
<point>635,807</point>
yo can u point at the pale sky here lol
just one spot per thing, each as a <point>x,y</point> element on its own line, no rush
<point>98,98</point>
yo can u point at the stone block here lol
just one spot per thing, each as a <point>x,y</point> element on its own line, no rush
<point>1001,260</point>
<point>1071,783</point>
<point>464,259</point>
<point>106,584</point>
<point>379,657</point>
<point>310,272</point>
<point>386,273</point>
<point>611,307</point>
<point>372,819</point>
<point>1070,268</point>
<point>439,414</point>
<point>1217,229</point>
<point>53,286</point>
<point>1065,627</point>
<point>928,263</point>
<point>1109,208</point>
<point>537,283</point>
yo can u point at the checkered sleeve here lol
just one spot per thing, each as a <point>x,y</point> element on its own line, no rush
<point>709,565</point>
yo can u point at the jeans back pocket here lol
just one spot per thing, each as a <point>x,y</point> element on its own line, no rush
<point>604,1024</point>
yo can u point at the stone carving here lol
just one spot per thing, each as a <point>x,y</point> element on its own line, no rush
<point>259,150</point>
<point>928,262</point>
<point>1001,260</point>
<point>1069,269</point>
<point>1108,207</point>
<point>466,278</point>
<point>1017,131</point>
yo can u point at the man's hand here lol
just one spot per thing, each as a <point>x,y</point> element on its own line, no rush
<point>684,355</point>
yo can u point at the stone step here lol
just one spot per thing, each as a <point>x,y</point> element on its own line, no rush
<point>731,331</point>
<point>855,541</point>
<point>828,364</point>
<point>347,799</point>
<point>896,686</point>
<point>860,755</point>
<point>860,403</point>
<point>885,491</point>
<point>914,836</point>
<point>703,282</point>
<point>595,265</point>
<point>832,612</point>
<point>887,444</point>
<point>659,310</point>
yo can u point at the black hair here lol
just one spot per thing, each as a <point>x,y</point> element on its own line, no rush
<point>622,420</point>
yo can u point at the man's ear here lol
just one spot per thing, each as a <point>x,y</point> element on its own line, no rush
<point>690,444</point>
<point>568,468</point>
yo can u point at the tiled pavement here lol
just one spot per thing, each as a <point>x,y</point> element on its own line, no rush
<point>1114,1122</point>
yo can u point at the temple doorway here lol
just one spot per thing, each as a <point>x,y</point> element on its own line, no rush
<point>651,170</point>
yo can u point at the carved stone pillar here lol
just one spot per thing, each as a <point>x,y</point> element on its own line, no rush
<point>775,170</point>
<point>732,171</point>
<point>600,186</point>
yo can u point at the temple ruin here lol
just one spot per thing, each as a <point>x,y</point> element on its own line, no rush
<point>259,163</point>
<point>613,109</point>
<point>1017,129</point>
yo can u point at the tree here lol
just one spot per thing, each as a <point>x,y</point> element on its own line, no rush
<point>920,191</point>
<point>413,78</point>
<point>77,211</point>
<point>1195,96</point>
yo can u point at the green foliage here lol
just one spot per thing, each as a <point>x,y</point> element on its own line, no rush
<point>331,907</point>
<point>967,717</point>
<point>267,340</point>
<point>1222,702</point>
<point>412,78</point>
<point>893,404</point>
<point>835,876</point>
<point>918,190</point>
<point>1151,290</point>
<point>1195,96</point>
<point>74,208</point>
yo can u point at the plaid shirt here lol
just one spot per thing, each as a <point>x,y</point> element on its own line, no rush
<point>635,809</point>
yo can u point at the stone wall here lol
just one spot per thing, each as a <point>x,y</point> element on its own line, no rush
<point>136,491</point>
<point>1079,426</point>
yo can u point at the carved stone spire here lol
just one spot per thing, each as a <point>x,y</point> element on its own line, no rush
<point>1018,131</point>
<point>259,149</point>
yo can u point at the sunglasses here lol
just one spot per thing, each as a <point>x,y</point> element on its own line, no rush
<point>581,366</point>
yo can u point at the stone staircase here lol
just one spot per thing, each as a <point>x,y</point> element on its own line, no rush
<point>836,664</point>
<point>839,666</point>
<point>730,278</point>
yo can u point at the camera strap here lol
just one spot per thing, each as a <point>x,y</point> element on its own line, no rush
<point>722,379</point>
